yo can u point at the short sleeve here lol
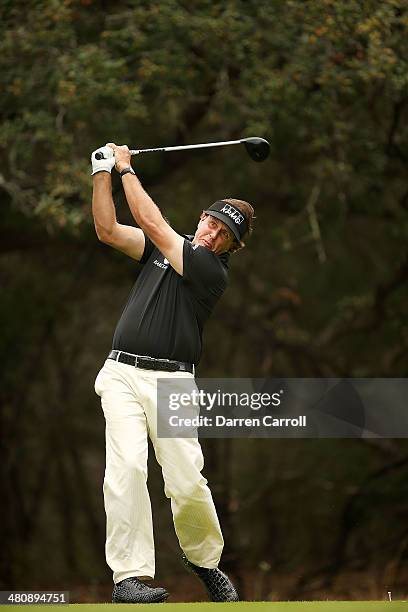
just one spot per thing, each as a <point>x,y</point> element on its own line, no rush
<point>148,250</point>
<point>203,270</point>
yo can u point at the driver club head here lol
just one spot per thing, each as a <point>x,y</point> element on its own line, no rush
<point>258,148</point>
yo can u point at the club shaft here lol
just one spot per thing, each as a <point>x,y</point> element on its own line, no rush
<point>182,147</point>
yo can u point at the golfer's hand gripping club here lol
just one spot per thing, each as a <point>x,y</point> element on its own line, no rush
<point>103,160</point>
<point>121,154</point>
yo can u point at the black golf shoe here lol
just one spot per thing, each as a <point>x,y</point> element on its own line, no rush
<point>133,590</point>
<point>219,586</point>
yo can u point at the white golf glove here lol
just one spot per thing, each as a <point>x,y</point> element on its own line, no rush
<point>106,163</point>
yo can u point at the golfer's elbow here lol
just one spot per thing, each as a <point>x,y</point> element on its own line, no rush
<point>104,234</point>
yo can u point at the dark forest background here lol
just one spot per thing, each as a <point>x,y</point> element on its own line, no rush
<point>320,290</point>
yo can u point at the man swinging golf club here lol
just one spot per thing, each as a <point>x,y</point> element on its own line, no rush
<point>159,335</point>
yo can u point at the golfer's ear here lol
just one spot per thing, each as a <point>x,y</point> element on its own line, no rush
<point>236,246</point>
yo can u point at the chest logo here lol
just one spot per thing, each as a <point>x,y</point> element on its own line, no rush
<point>161,264</point>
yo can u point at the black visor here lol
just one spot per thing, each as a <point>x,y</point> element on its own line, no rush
<point>231,216</point>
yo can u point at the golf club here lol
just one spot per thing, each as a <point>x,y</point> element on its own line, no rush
<point>257,148</point>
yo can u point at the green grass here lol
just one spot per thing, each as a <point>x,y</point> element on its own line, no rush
<point>244,606</point>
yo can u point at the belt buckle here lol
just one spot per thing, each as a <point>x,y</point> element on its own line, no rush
<point>150,363</point>
<point>145,363</point>
<point>172,366</point>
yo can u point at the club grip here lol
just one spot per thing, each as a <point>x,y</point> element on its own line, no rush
<point>99,155</point>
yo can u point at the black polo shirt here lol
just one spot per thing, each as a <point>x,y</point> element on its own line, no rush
<point>166,312</point>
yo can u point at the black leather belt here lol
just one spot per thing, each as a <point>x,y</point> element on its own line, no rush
<point>150,363</point>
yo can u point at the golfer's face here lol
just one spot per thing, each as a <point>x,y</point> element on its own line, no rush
<point>213,234</point>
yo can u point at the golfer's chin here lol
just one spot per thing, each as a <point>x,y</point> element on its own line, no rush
<point>205,244</point>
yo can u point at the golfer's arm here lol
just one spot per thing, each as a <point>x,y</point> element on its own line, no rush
<point>124,238</point>
<point>149,218</point>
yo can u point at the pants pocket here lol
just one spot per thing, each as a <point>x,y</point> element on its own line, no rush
<point>98,386</point>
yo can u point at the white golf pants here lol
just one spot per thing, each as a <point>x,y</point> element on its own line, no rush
<point>129,403</point>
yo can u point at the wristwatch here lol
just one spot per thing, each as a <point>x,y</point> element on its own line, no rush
<point>126,171</point>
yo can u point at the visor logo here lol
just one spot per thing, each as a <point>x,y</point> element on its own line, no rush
<point>233,213</point>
